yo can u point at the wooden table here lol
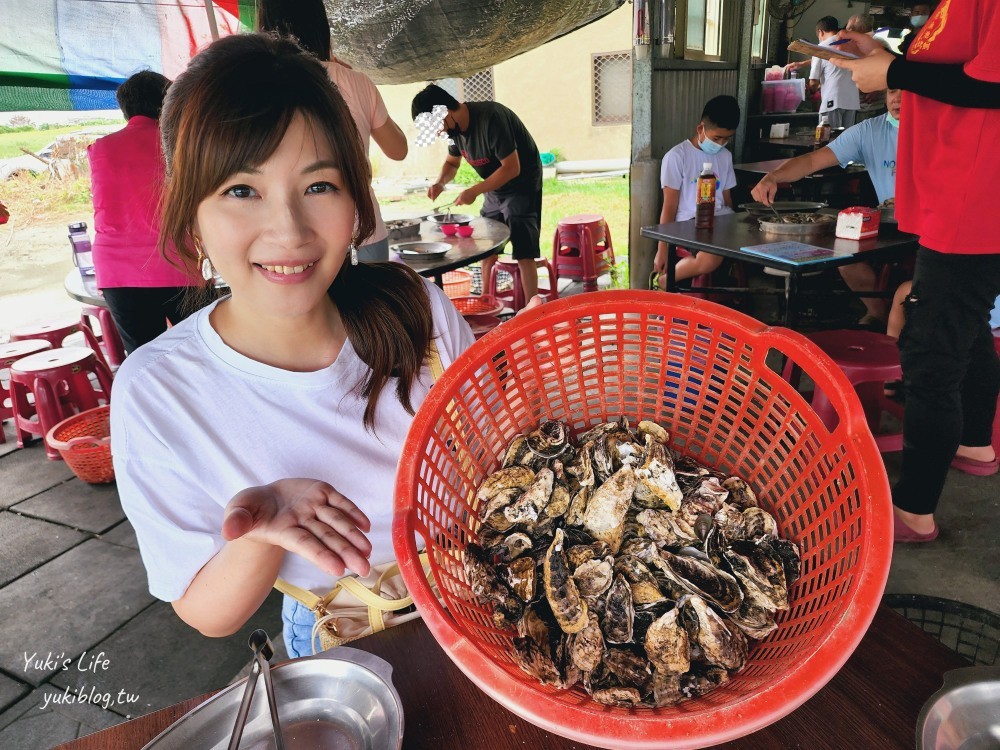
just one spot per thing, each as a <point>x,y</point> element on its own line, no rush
<point>488,238</point>
<point>732,232</point>
<point>873,702</point>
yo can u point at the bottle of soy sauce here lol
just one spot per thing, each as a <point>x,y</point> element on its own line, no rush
<point>705,198</point>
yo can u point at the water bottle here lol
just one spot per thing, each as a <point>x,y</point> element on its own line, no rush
<point>705,198</point>
<point>83,256</point>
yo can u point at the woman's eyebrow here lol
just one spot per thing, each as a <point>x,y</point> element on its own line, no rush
<point>320,165</point>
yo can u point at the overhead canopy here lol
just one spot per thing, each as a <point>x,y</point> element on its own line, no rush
<point>73,54</point>
<point>402,41</point>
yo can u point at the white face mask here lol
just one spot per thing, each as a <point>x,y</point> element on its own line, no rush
<point>918,21</point>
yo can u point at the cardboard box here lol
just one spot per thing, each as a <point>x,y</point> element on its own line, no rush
<point>858,223</point>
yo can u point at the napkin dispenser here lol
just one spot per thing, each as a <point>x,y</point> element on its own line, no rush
<point>858,223</point>
<point>780,130</point>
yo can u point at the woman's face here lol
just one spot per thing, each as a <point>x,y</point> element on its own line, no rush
<point>278,234</point>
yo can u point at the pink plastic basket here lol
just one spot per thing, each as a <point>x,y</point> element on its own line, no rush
<point>701,370</point>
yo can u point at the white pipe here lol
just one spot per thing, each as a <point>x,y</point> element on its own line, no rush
<point>210,12</point>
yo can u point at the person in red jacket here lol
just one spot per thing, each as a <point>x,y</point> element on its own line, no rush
<point>950,75</point>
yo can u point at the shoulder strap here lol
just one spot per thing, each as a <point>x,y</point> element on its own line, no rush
<point>434,361</point>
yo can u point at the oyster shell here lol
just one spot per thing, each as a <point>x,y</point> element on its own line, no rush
<point>720,645</point>
<point>704,580</point>
<point>619,612</point>
<point>668,645</point>
<point>604,517</point>
<point>568,606</point>
<point>586,648</point>
<point>594,577</point>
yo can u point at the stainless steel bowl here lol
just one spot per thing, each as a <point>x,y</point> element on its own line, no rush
<point>756,208</point>
<point>401,229</point>
<point>964,714</point>
<point>343,698</point>
<point>460,219</point>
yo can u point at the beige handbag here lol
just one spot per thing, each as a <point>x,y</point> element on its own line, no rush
<point>357,607</point>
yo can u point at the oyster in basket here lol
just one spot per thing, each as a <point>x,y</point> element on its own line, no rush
<point>624,568</point>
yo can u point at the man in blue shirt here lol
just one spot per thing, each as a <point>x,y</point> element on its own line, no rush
<point>871,142</point>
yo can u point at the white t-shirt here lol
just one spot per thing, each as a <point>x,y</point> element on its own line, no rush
<point>193,422</point>
<point>680,168</point>
<point>369,113</point>
<point>836,87</point>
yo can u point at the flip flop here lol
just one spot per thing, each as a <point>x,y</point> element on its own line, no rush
<point>903,533</point>
<point>975,467</point>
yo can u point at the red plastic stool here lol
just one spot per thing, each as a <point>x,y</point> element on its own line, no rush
<point>59,380</point>
<point>515,297</point>
<point>56,333</point>
<point>9,354</point>
<point>869,360</point>
<point>109,340</point>
<point>582,249</point>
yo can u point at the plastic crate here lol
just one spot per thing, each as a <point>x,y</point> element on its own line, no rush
<point>84,442</point>
<point>700,370</point>
<point>969,631</point>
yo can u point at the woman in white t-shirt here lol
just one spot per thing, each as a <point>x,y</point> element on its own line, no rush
<point>306,21</point>
<point>259,438</point>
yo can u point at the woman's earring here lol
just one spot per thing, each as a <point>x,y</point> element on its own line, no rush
<point>354,254</point>
<point>207,273</point>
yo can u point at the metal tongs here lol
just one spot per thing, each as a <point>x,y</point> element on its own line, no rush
<point>263,651</point>
<point>437,209</point>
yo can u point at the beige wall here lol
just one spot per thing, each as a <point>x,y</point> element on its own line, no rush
<point>551,90</point>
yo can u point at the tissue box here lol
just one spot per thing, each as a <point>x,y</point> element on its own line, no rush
<point>779,130</point>
<point>858,223</point>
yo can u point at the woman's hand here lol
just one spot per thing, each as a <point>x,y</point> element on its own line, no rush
<point>868,72</point>
<point>304,516</point>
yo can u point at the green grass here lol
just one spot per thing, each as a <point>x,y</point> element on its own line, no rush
<point>607,197</point>
<point>35,139</point>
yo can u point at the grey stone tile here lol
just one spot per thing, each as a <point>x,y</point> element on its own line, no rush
<point>29,542</point>
<point>10,444</point>
<point>10,691</point>
<point>39,722</point>
<point>91,507</point>
<point>27,472</point>
<point>69,604</point>
<point>123,535</point>
<point>161,660</point>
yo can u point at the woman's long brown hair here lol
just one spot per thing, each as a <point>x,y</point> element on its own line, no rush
<point>228,112</point>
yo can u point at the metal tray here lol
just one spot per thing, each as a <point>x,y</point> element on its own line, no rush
<point>422,250</point>
<point>798,230</point>
<point>964,714</point>
<point>343,698</point>
<point>756,208</point>
<point>401,229</point>
<point>460,219</point>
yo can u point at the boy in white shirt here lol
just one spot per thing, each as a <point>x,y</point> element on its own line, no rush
<point>679,177</point>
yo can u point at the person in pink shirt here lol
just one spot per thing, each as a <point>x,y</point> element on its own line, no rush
<point>143,289</point>
<point>306,21</point>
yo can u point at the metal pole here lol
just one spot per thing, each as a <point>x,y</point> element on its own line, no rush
<point>210,12</point>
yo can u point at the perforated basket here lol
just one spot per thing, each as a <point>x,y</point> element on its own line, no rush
<point>457,283</point>
<point>484,304</point>
<point>702,371</point>
<point>84,442</point>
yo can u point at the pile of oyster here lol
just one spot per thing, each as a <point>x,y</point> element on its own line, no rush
<point>634,572</point>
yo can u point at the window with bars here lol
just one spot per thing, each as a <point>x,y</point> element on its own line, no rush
<point>612,88</point>
<point>477,88</point>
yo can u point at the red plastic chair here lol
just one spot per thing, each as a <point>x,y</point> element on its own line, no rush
<point>515,297</point>
<point>869,360</point>
<point>9,354</point>
<point>56,334</point>
<point>582,249</point>
<point>59,381</point>
<point>110,343</point>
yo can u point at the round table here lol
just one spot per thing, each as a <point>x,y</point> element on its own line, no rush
<point>488,238</point>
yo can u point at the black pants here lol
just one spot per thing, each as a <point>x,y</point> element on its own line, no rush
<point>951,372</point>
<point>523,215</point>
<point>141,313</point>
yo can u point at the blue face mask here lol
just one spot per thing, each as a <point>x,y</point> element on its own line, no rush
<point>918,21</point>
<point>892,120</point>
<point>709,146</point>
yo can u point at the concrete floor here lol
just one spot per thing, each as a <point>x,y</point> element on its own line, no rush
<point>87,647</point>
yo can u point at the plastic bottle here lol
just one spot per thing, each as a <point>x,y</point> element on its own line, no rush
<point>83,257</point>
<point>823,130</point>
<point>705,198</point>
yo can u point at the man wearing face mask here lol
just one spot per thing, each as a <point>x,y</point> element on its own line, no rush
<point>872,143</point>
<point>679,179</point>
<point>919,13</point>
<point>495,143</point>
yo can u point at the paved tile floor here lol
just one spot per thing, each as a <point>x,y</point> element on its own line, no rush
<point>85,646</point>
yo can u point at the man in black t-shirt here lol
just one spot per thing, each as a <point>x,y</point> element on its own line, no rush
<point>495,143</point>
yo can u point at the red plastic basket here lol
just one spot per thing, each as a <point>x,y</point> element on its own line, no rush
<point>477,305</point>
<point>702,371</point>
<point>84,442</point>
<point>457,283</point>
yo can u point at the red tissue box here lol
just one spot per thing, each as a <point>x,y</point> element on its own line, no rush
<point>858,223</point>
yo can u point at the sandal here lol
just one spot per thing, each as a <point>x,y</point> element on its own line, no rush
<point>976,467</point>
<point>893,389</point>
<point>903,533</point>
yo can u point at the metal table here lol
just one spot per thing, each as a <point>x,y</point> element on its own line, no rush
<point>872,702</point>
<point>488,238</point>
<point>732,232</point>
<point>83,288</point>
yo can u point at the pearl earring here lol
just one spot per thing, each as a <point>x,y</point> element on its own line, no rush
<point>354,254</point>
<point>207,273</point>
